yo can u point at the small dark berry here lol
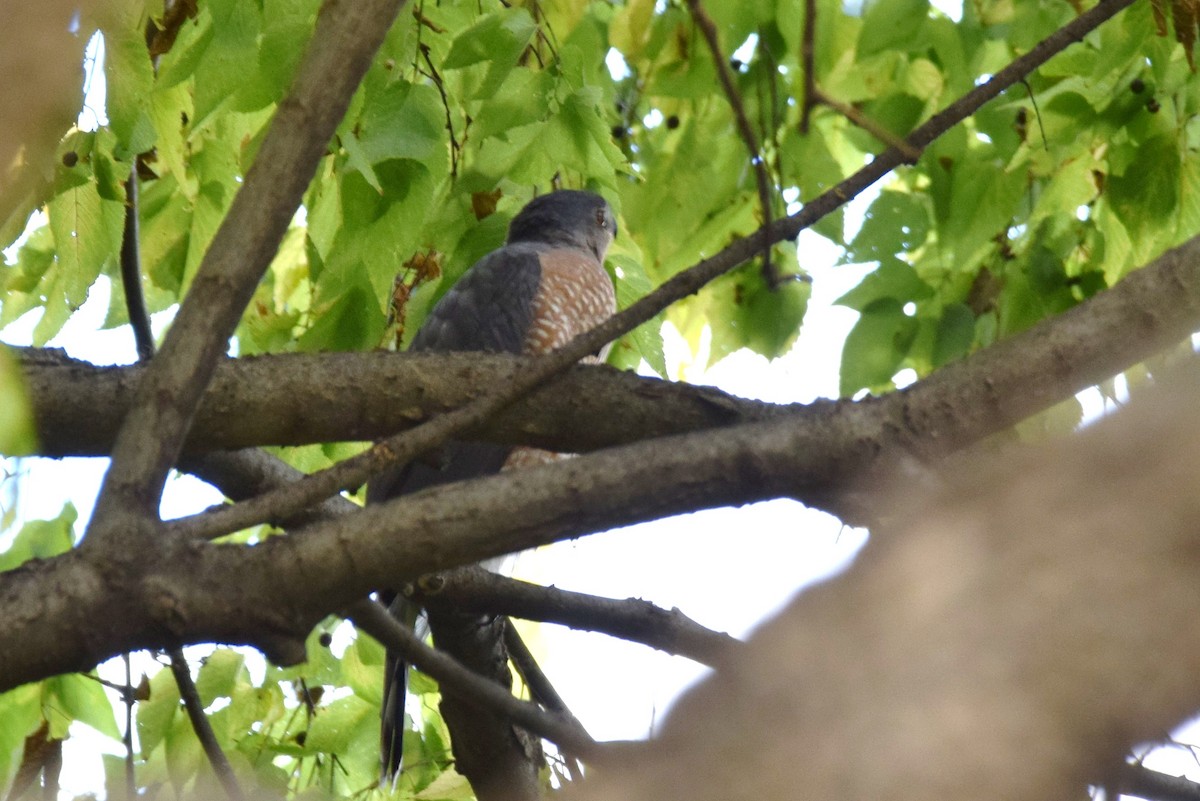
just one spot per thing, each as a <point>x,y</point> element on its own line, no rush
<point>70,158</point>
<point>618,131</point>
<point>1152,106</point>
<point>672,122</point>
<point>325,639</point>
<point>1137,86</point>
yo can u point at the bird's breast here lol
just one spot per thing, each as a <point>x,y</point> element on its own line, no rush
<point>574,295</point>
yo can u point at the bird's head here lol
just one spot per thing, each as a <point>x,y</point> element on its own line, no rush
<point>581,220</point>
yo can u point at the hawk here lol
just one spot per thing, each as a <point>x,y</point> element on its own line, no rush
<point>543,287</point>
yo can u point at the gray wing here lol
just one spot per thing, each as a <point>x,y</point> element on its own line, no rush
<point>489,309</point>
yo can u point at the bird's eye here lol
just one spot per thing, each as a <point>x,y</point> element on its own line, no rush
<point>600,217</point>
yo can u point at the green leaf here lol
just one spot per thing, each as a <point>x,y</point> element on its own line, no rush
<point>955,334</point>
<point>337,724</point>
<point>41,539</point>
<point>77,697</point>
<point>497,39</point>
<point>891,25</point>
<point>130,80</point>
<point>450,785</point>
<point>18,436</point>
<point>645,342</point>
<point>252,707</point>
<point>352,321</point>
<point>87,232</point>
<point>992,195</point>
<point>896,223</point>
<point>629,30</point>
<point>747,313</point>
<point>20,716</point>
<point>405,121</point>
<point>499,36</point>
<point>362,666</point>
<point>227,70</point>
<point>157,714</point>
<point>893,279</point>
<point>1071,186</point>
<point>220,674</point>
<point>184,753</point>
<point>876,346</point>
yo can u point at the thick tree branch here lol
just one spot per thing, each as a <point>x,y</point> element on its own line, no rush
<point>297,399</point>
<point>1151,309</point>
<point>346,37</point>
<point>1017,628</point>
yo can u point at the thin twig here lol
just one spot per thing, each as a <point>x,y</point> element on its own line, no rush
<point>709,29</point>
<point>127,698</point>
<point>204,732</point>
<point>806,63</point>
<point>541,689</point>
<point>1037,113</point>
<point>911,154</point>
<point>454,678</point>
<point>131,271</point>
<point>52,771</point>
<point>436,79</point>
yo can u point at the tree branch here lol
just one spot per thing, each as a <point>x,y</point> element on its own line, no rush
<point>1142,782</point>
<point>473,589</point>
<point>271,594</point>
<point>131,271</point>
<point>457,680</point>
<point>709,29</point>
<point>346,36</point>
<point>297,399</point>
<point>1045,597</point>
<point>204,733</point>
<point>1151,309</point>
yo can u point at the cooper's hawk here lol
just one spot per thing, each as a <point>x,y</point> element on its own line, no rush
<point>543,287</point>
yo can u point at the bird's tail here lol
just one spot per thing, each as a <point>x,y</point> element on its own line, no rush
<point>395,694</point>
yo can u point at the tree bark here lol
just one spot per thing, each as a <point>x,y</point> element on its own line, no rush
<point>1020,625</point>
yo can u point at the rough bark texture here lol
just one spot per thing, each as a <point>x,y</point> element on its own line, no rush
<point>1011,635</point>
<point>500,759</point>
<point>295,399</point>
